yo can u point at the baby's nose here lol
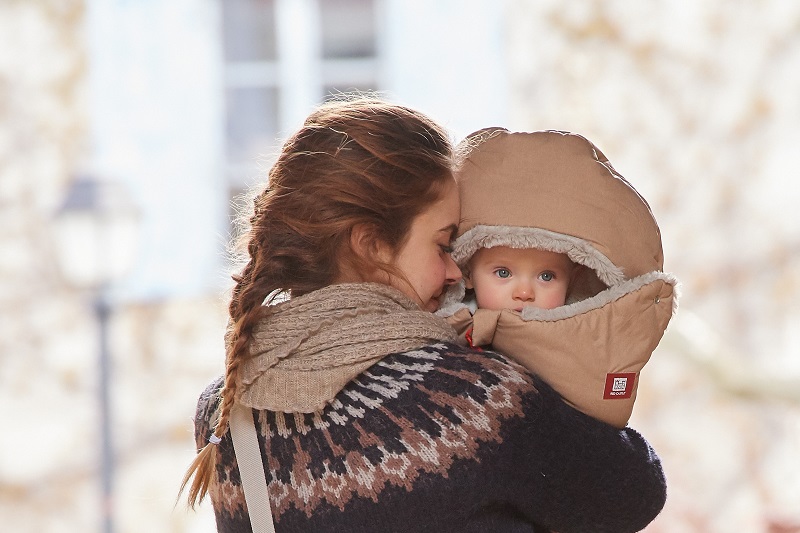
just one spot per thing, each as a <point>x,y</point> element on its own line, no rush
<point>524,291</point>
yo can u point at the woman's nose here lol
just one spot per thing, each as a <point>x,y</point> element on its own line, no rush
<point>452,273</point>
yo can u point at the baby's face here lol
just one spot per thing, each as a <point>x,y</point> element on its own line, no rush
<point>513,278</point>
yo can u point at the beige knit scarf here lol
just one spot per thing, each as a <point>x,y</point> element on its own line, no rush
<point>305,350</point>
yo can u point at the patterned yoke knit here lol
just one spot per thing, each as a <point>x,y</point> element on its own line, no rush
<point>441,439</point>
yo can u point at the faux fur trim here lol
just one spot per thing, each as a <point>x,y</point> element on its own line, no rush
<point>578,250</point>
<point>604,298</point>
<point>452,300</point>
<point>609,295</point>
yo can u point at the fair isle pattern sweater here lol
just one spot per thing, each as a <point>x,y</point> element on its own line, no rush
<point>442,439</point>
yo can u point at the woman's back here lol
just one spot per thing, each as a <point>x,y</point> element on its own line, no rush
<point>442,438</point>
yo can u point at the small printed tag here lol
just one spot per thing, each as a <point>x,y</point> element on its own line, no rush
<point>619,386</point>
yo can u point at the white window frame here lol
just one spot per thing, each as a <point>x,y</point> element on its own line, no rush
<point>299,72</point>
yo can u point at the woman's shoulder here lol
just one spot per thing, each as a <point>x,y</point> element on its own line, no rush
<point>446,380</point>
<point>454,368</point>
<point>443,369</point>
<point>446,356</point>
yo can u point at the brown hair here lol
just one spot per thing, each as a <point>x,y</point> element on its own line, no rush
<point>356,161</point>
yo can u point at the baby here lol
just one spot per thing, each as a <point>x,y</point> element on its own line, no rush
<point>562,264</point>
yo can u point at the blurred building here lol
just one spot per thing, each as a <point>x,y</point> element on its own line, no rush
<point>189,99</point>
<point>186,101</point>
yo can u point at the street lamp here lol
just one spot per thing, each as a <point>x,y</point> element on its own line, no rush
<point>94,234</point>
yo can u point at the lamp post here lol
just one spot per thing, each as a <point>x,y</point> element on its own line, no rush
<point>95,235</point>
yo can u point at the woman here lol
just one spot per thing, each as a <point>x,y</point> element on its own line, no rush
<point>368,417</point>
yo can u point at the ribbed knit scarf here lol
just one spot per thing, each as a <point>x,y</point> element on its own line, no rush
<point>305,350</point>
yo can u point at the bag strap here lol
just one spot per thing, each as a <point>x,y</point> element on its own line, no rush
<point>251,468</point>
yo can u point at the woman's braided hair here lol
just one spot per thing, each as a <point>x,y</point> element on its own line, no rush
<point>355,161</point>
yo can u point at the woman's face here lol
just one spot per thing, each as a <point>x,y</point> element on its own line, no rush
<point>425,259</point>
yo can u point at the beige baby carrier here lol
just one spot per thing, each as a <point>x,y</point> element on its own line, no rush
<point>556,191</point>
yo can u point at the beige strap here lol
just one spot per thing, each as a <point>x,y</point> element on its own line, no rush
<point>251,468</point>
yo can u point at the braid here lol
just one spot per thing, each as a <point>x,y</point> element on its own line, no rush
<point>245,310</point>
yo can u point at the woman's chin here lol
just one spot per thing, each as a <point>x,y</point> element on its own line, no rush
<point>432,305</point>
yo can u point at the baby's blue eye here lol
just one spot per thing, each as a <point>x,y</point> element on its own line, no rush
<point>546,276</point>
<point>503,273</point>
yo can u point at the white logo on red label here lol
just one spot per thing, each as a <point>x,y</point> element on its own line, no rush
<point>619,385</point>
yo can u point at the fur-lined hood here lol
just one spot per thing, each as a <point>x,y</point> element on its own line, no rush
<point>557,191</point>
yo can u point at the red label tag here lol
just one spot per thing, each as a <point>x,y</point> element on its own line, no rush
<point>619,386</point>
<point>468,336</point>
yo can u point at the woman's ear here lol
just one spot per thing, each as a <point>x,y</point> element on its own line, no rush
<point>369,256</point>
<point>367,246</point>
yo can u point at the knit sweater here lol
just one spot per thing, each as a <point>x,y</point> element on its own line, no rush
<point>441,439</point>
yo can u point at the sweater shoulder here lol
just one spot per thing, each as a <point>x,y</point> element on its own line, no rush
<point>414,419</point>
<point>446,369</point>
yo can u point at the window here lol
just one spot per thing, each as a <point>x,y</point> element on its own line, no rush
<point>251,124</point>
<point>281,58</point>
<point>249,30</point>
<point>348,28</point>
<point>252,110</point>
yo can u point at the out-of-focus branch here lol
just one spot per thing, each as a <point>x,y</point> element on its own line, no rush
<point>691,338</point>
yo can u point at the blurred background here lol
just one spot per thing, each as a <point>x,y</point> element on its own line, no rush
<point>130,128</point>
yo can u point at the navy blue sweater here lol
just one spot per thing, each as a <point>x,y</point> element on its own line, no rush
<point>442,439</point>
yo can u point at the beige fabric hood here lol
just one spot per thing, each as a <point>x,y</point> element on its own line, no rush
<point>556,191</point>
